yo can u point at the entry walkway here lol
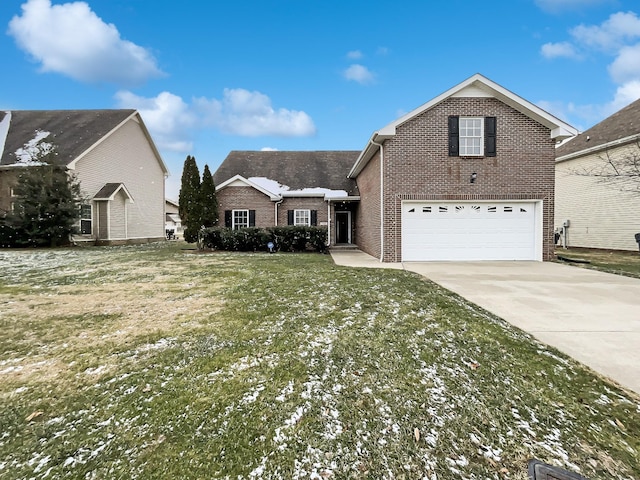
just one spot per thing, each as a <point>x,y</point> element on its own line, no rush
<point>592,316</point>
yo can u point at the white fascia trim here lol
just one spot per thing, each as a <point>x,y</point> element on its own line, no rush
<point>113,195</point>
<point>598,148</point>
<point>273,196</point>
<point>298,193</point>
<point>4,131</point>
<point>350,198</point>
<point>559,129</point>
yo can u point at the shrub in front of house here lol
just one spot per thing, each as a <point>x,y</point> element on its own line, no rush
<point>285,239</point>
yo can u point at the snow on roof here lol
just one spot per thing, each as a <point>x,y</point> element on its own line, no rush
<point>34,149</point>
<point>269,185</point>
<point>277,188</point>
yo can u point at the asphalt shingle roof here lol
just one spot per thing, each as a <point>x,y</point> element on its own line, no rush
<point>71,132</point>
<point>624,123</point>
<point>295,169</point>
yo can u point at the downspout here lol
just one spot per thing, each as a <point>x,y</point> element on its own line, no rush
<point>328,223</point>
<point>275,223</point>
<point>381,198</point>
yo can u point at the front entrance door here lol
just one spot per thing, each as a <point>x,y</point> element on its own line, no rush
<point>343,227</point>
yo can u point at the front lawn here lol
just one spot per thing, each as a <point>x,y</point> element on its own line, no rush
<point>156,362</point>
<point>610,261</point>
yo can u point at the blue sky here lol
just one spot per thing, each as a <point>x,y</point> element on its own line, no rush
<point>213,76</point>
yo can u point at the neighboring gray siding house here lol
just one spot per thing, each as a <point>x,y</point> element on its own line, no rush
<point>467,176</point>
<point>600,213</point>
<point>111,152</point>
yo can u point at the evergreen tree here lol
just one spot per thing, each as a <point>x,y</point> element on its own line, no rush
<point>208,200</point>
<point>47,207</point>
<point>189,208</point>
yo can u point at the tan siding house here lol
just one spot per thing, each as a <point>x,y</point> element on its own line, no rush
<point>112,154</point>
<point>594,210</point>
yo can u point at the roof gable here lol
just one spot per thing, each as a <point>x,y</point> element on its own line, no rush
<point>109,191</point>
<point>480,86</point>
<point>618,129</point>
<point>476,86</point>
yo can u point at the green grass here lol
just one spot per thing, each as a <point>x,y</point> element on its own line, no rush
<point>156,362</point>
<point>615,261</point>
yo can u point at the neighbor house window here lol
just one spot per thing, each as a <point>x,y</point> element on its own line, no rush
<point>472,136</point>
<point>85,219</point>
<point>302,218</point>
<point>240,219</point>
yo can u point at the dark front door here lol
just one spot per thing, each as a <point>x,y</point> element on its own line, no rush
<point>343,227</point>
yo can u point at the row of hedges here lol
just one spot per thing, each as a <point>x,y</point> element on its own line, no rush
<point>284,239</point>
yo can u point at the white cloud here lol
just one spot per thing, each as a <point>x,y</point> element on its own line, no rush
<point>557,6</point>
<point>250,114</point>
<point>619,29</point>
<point>557,50</point>
<point>168,118</point>
<point>268,149</point>
<point>72,40</point>
<point>382,51</point>
<point>626,66</point>
<point>618,37</point>
<point>172,121</point>
<point>625,94</point>
<point>359,73</point>
<point>354,54</point>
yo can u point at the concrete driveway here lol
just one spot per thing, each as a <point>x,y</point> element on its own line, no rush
<point>592,316</point>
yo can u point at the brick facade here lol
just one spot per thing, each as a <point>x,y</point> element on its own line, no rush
<point>303,203</point>
<point>246,198</point>
<point>368,221</point>
<point>417,167</point>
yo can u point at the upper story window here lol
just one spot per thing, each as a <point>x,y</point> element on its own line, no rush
<point>472,136</point>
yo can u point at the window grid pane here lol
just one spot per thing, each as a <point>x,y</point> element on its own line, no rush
<point>302,217</point>
<point>240,219</point>
<point>471,136</point>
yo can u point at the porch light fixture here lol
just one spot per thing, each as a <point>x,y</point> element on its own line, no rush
<point>472,178</point>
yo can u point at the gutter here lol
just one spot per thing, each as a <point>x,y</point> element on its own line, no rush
<point>597,148</point>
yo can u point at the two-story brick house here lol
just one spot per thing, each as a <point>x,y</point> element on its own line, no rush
<point>467,176</point>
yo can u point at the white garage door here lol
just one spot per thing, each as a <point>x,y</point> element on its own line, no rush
<point>469,231</point>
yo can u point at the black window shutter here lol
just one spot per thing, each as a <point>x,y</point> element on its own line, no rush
<point>314,218</point>
<point>252,218</point>
<point>289,217</point>
<point>490,136</point>
<point>227,218</point>
<point>454,141</point>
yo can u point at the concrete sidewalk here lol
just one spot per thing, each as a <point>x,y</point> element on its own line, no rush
<point>592,316</point>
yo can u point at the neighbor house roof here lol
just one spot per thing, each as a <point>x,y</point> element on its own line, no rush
<point>72,133</point>
<point>620,128</point>
<point>297,170</point>
<point>475,86</point>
